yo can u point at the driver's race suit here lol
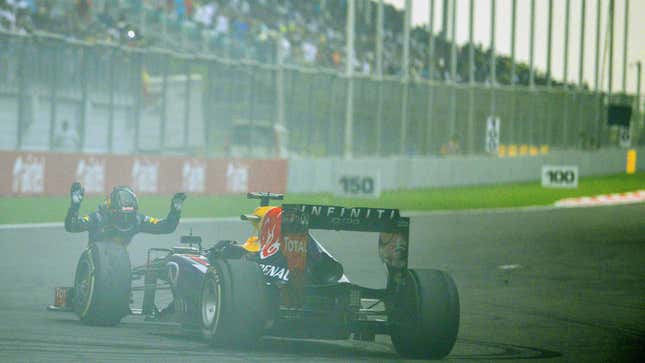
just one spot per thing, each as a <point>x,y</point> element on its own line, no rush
<point>100,229</point>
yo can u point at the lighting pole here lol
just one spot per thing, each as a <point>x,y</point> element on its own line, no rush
<point>581,54</point>
<point>471,77</point>
<point>512,128</point>
<point>626,38</point>
<point>349,69</point>
<point>611,45</point>
<point>565,113</point>
<point>597,56</point>
<point>549,38</point>
<point>379,75</point>
<point>453,71</point>
<point>638,95</point>
<point>406,75</point>
<point>428,134</point>
<point>532,46</point>
<point>513,28</point>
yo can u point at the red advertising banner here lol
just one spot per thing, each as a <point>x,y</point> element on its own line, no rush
<point>40,173</point>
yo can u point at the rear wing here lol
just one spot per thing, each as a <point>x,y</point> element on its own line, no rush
<point>298,219</point>
<point>310,216</point>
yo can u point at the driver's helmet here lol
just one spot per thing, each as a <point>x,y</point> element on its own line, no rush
<point>123,206</point>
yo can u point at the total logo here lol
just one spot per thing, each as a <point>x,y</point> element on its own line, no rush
<point>295,246</point>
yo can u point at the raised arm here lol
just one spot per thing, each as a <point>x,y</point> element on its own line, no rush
<point>168,224</point>
<point>74,223</point>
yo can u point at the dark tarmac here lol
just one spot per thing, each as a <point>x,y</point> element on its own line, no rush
<point>535,284</point>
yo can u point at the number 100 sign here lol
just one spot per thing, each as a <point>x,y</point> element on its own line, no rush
<point>557,176</point>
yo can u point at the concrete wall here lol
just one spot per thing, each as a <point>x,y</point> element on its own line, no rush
<point>640,159</point>
<point>317,175</point>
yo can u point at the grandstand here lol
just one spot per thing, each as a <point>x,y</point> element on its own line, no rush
<point>312,32</point>
<point>206,67</point>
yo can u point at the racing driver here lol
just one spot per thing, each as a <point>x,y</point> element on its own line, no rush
<point>118,219</point>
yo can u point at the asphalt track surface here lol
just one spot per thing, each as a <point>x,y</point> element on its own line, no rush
<point>572,289</point>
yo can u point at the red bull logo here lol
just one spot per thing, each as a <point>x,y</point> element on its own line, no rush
<point>271,233</point>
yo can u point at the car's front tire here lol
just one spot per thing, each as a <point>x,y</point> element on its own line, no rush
<point>102,284</point>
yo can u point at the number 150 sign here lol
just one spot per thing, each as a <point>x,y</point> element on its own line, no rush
<point>361,186</point>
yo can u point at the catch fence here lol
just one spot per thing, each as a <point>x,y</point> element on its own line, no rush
<point>126,100</point>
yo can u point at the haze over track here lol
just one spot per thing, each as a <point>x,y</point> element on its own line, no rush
<point>575,292</point>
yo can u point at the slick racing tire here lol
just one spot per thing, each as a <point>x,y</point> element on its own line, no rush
<point>425,317</point>
<point>102,284</point>
<point>233,303</point>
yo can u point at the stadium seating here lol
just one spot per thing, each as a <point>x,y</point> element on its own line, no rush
<point>305,33</point>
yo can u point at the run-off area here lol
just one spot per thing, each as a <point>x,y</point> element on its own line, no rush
<point>552,284</point>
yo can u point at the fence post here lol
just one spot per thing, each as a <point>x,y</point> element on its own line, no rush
<point>251,71</point>
<point>404,115</point>
<point>430,118</point>
<point>567,94</point>
<point>349,118</point>
<point>20,120</point>
<point>279,102</point>
<point>493,61</point>
<point>309,117</point>
<point>84,97</point>
<point>277,136</point>
<point>137,88</point>
<point>431,56</point>
<point>349,74</point>
<point>330,114</point>
<point>639,117</point>
<point>565,117</point>
<point>207,104</point>
<point>164,102</point>
<point>470,128</point>
<point>379,118</point>
<point>230,73</point>
<point>53,99</point>
<point>110,135</point>
<point>452,127</point>
<point>187,107</point>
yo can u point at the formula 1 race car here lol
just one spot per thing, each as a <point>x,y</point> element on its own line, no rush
<point>280,282</point>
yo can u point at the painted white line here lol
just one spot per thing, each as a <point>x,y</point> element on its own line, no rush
<point>31,225</point>
<point>209,220</point>
<point>535,208</point>
<point>509,267</point>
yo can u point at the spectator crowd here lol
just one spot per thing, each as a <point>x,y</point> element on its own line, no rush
<point>302,32</point>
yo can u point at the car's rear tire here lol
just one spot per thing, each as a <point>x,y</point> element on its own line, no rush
<point>233,303</point>
<point>102,284</point>
<point>425,315</point>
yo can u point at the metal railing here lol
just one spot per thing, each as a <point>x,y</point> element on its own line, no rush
<point>126,100</point>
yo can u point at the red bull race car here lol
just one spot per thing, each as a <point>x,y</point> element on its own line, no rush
<point>280,282</point>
